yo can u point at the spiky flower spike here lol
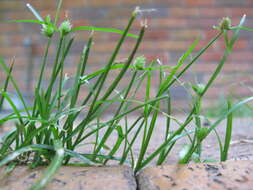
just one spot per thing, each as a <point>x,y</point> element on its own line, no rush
<point>65,27</point>
<point>48,28</point>
<point>224,24</point>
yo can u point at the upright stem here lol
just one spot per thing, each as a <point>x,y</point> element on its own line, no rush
<point>42,72</point>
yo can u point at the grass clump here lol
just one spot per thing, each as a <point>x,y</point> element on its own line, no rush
<point>51,130</point>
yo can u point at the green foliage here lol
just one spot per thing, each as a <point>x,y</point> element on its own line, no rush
<point>220,107</point>
<point>61,119</point>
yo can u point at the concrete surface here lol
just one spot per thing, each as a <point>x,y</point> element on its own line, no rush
<point>230,175</point>
<point>73,178</point>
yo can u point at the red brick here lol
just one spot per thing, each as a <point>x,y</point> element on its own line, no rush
<point>82,36</point>
<point>219,45</point>
<point>12,51</point>
<point>133,2</point>
<point>244,56</point>
<point>18,39</point>
<point>103,3</point>
<point>232,79</point>
<point>228,67</point>
<point>163,57</point>
<point>75,3</point>
<point>81,22</point>
<point>239,12</point>
<point>6,5</point>
<point>51,12</point>
<point>14,15</point>
<point>199,2</point>
<point>45,4</point>
<point>21,62</point>
<point>214,12</point>
<point>9,28</point>
<point>227,91</point>
<point>3,40</point>
<point>157,34</point>
<point>168,22</point>
<point>203,23</point>
<point>208,57</point>
<point>182,12</point>
<point>165,38</point>
<point>186,34</point>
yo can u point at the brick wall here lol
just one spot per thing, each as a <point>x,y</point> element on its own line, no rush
<point>174,25</point>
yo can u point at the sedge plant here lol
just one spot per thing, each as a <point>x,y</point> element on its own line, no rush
<point>61,120</point>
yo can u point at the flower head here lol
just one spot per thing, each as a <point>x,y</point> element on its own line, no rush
<point>224,24</point>
<point>65,27</point>
<point>198,88</point>
<point>48,28</point>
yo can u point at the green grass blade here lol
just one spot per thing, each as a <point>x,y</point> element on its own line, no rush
<point>242,28</point>
<point>119,66</point>
<point>224,58</point>
<point>219,142</point>
<point>103,30</point>
<point>147,139</point>
<point>16,153</point>
<point>77,129</point>
<point>7,71</point>
<point>81,157</point>
<point>111,126</point>
<point>6,82</point>
<point>57,66</point>
<point>126,150</point>
<point>194,59</point>
<point>25,21</point>
<point>44,62</point>
<point>52,168</point>
<point>226,114</point>
<point>12,104</point>
<point>167,82</point>
<point>57,14</point>
<point>102,78</point>
<point>228,133</point>
<point>214,125</point>
<point>8,140</point>
<point>118,142</point>
<point>211,80</point>
<point>124,69</point>
<point>163,154</point>
<point>236,33</point>
<point>34,12</point>
<point>162,147</point>
<point>188,52</point>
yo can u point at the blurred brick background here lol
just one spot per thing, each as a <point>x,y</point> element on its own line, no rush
<point>172,28</point>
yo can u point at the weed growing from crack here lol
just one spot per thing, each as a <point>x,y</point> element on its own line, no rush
<point>51,130</point>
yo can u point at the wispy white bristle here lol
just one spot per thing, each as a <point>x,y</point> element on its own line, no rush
<point>36,14</point>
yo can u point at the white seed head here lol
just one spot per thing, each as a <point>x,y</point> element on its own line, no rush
<point>47,30</point>
<point>36,14</point>
<point>65,27</point>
